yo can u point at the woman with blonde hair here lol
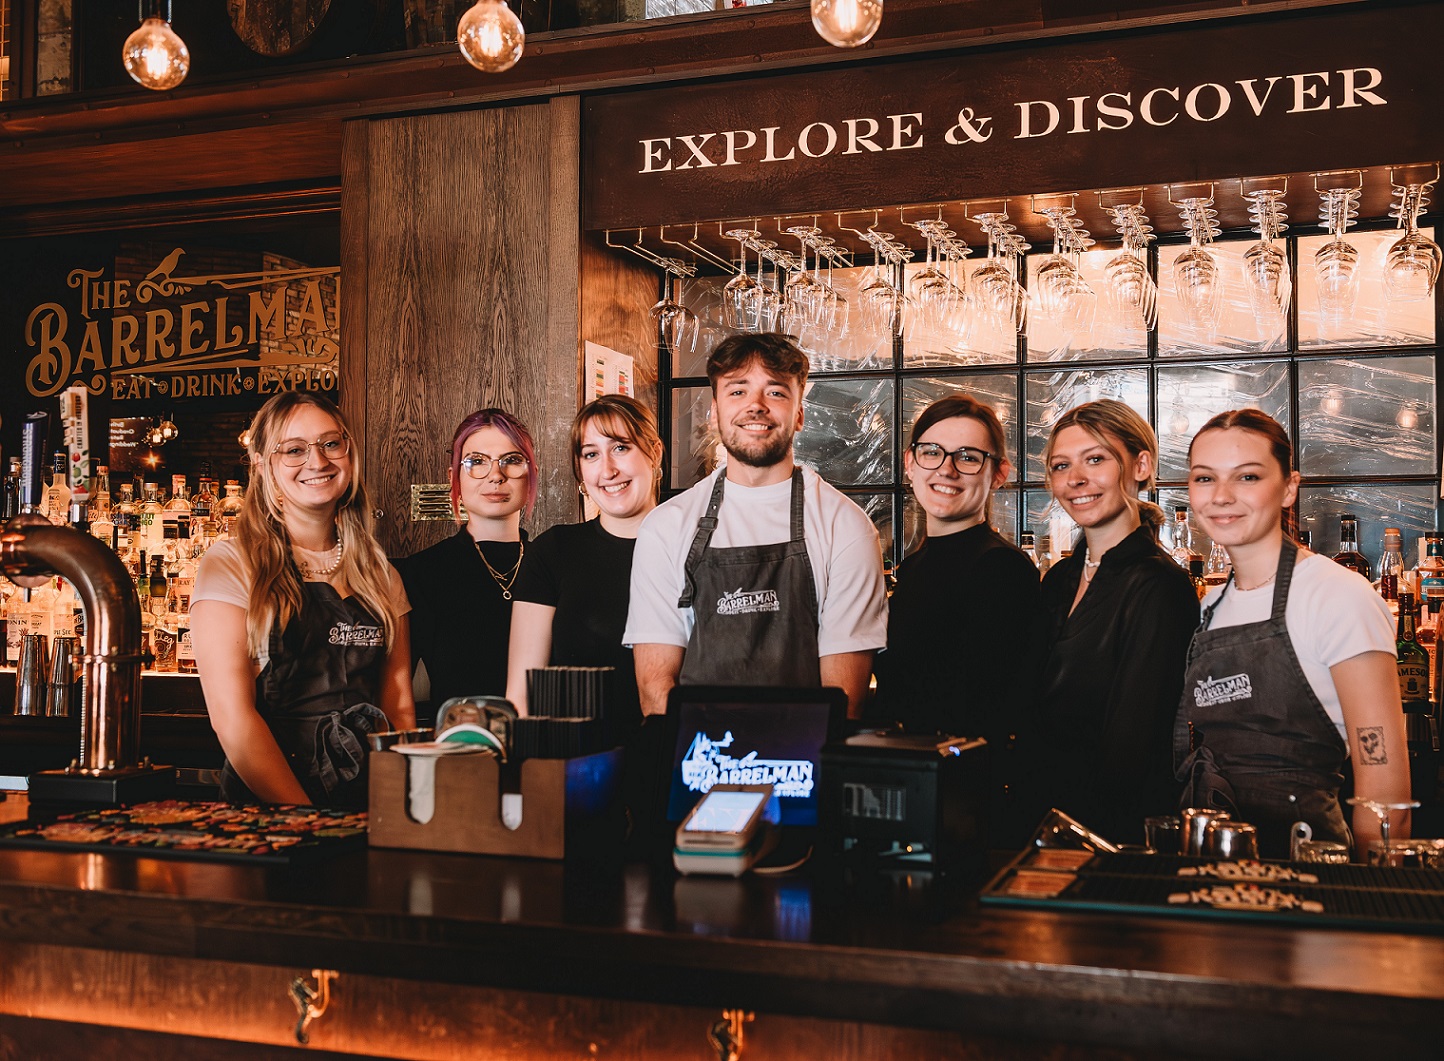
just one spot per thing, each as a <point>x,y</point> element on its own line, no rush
<point>1117,617</point>
<point>574,587</point>
<point>299,622</point>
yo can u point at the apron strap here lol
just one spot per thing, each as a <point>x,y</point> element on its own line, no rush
<point>706,526</point>
<point>797,497</point>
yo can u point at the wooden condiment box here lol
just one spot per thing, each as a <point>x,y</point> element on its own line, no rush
<point>561,798</point>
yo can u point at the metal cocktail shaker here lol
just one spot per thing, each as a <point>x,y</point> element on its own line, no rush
<point>63,661</point>
<point>30,675</point>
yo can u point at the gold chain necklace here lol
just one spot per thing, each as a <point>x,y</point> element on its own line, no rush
<point>320,572</point>
<point>504,581</point>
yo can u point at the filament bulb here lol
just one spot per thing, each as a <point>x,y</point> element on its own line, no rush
<point>846,23</point>
<point>154,56</point>
<point>490,36</point>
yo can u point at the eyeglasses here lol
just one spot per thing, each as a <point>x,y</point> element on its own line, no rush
<point>294,451</point>
<point>512,465</point>
<point>966,460</point>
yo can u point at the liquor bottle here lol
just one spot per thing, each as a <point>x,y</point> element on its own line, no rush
<point>185,651</point>
<point>159,585</point>
<point>1391,564</point>
<point>10,506</point>
<point>1025,542</point>
<point>1427,632</point>
<point>1431,569</point>
<point>229,508</point>
<point>178,505</point>
<point>164,635</point>
<point>1195,573</point>
<point>125,515</point>
<point>1413,661</point>
<point>151,519</point>
<point>57,497</point>
<point>62,612</point>
<point>100,499</point>
<point>1348,554</point>
<point>1215,571</point>
<point>1045,554</point>
<point>142,582</point>
<point>1182,552</point>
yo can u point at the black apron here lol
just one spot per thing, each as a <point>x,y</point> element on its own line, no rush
<point>318,695</point>
<point>755,606</point>
<point>1251,736</point>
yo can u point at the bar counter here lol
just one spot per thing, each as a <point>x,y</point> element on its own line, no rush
<point>419,940</point>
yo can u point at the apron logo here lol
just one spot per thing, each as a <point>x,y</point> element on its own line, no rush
<point>356,634</point>
<point>748,602</point>
<point>1211,691</point>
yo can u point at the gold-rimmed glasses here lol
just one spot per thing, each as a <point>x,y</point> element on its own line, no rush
<point>478,465</point>
<point>294,452</point>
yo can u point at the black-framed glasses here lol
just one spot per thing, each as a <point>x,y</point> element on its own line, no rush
<point>966,459</point>
<point>333,446</point>
<point>478,466</point>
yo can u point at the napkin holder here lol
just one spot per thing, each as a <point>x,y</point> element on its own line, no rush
<point>561,802</point>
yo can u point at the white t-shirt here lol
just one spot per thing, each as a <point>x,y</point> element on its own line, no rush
<point>1333,614</point>
<point>842,544</point>
<point>224,576</point>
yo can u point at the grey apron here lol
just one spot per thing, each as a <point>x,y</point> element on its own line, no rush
<point>755,606</point>
<point>318,695</point>
<point>1251,737</point>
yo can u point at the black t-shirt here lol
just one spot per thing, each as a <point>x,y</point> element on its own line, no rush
<point>460,623</point>
<point>585,574</point>
<point>958,636</point>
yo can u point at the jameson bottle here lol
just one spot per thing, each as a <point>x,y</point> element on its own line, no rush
<point>1413,661</point>
<point>1348,554</point>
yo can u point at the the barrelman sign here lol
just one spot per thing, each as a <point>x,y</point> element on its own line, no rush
<point>176,335</point>
<point>1313,90</point>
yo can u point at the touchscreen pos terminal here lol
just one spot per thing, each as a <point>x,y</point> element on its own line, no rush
<point>729,829</point>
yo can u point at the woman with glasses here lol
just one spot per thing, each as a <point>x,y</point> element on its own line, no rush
<point>957,644</point>
<point>299,623</point>
<point>573,590</point>
<point>966,593</point>
<point>1117,618</point>
<point>461,589</point>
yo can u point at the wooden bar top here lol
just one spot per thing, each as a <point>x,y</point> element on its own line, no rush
<point>895,950</point>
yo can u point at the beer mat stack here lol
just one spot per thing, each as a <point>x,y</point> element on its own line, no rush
<point>1349,896</point>
<point>210,831</point>
<point>566,714</point>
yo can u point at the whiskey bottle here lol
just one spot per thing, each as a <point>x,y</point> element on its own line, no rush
<point>1183,552</point>
<point>1348,554</point>
<point>1391,565</point>
<point>1412,660</point>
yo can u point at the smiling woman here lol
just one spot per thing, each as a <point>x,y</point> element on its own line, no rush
<point>299,623</point>
<point>461,588</point>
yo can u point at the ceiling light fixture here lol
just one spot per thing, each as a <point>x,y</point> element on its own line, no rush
<point>154,55</point>
<point>490,36</point>
<point>846,23</point>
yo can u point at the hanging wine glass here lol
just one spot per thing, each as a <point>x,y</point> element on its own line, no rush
<point>930,284</point>
<point>676,324</point>
<point>1060,294</point>
<point>769,299</point>
<point>805,292</point>
<point>997,294</point>
<point>1131,294</point>
<point>1412,265</point>
<point>741,294</point>
<point>1336,263</point>
<point>1197,278</point>
<point>1265,266</point>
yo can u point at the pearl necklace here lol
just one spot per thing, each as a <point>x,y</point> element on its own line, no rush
<point>1090,568</point>
<point>307,571</point>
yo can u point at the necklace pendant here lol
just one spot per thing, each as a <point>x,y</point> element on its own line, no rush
<point>506,594</point>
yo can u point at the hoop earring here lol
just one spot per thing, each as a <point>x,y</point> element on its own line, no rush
<point>582,489</point>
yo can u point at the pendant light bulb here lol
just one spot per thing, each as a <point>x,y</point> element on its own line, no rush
<point>846,23</point>
<point>155,56</point>
<point>490,36</point>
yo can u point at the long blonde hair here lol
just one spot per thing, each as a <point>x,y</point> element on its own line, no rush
<point>265,542</point>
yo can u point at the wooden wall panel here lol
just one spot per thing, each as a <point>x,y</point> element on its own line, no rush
<point>617,297</point>
<point>470,280</point>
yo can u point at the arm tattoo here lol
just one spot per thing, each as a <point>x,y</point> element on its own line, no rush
<point>1371,746</point>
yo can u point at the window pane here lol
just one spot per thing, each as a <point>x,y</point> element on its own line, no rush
<point>1043,517</point>
<point>879,508</point>
<point>1367,417</point>
<point>853,342</point>
<point>694,445</point>
<point>1000,390</point>
<point>1095,330</point>
<point>963,337</point>
<point>1373,320</point>
<point>847,432</point>
<point>1189,395</point>
<point>1051,394</point>
<point>1237,328</point>
<point>1410,508</point>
